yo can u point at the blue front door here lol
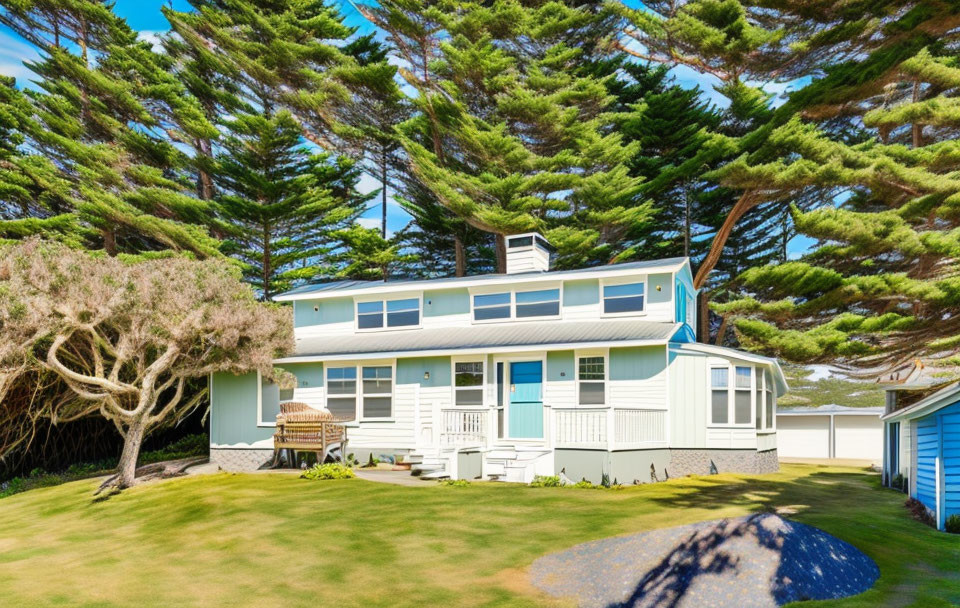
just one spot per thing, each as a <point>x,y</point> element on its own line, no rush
<point>526,400</point>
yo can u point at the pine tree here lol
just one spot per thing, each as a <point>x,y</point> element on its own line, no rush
<point>281,202</point>
<point>99,119</point>
<point>507,136</point>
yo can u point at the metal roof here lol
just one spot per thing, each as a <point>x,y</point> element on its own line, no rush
<point>482,337</point>
<point>830,409</point>
<point>666,265</point>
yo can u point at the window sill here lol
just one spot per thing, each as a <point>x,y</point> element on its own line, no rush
<point>620,315</point>
<point>267,425</point>
<point>368,420</point>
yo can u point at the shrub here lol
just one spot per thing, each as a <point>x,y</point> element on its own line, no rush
<point>456,483</point>
<point>545,481</point>
<point>952,525</point>
<point>586,485</point>
<point>897,483</point>
<point>331,470</point>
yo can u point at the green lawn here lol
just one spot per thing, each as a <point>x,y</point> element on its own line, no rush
<point>276,540</point>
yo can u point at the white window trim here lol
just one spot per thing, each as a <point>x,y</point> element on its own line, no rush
<point>627,280</point>
<point>731,396</point>
<point>392,364</point>
<point>356,389</point>
<point>485,291</point>
<point>384,299</point>
<point>482,360</point>
<point>260,422</point>
<point>768,392</point>
<point>605,353</point>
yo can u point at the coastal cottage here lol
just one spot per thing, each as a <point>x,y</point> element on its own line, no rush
<point>592,372</point>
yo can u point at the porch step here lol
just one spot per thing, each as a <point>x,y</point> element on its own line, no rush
<point>438,474</point>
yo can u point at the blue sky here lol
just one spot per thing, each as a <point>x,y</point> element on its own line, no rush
<point>145,16</point>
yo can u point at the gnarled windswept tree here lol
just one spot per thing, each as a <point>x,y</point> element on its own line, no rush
<point>124,335</point>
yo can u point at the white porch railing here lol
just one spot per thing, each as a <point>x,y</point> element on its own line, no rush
<point>581,427</point>
<point>609,428</point>
<point>460,427</point>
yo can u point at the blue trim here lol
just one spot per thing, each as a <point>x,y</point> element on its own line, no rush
<point>684,334</point>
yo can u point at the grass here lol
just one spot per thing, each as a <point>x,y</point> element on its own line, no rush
<point>806,392</point>
<point>276,540</point>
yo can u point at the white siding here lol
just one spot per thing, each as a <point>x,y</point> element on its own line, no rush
<point>732,438</point>
<point>688,400</point>
<point>397,433</point>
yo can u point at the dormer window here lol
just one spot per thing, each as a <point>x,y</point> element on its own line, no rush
<point>623,299</point>
<point>491,306</point>
<point>540,303</point>
<point>396,313</point>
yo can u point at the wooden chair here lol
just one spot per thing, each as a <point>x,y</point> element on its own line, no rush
<point>301,428</point>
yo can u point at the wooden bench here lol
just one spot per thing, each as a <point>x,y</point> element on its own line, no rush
<point>301,428</point>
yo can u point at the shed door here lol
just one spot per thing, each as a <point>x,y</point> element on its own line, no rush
<point>803,436</point>
<point>526,400</point>
<point>859,437</point>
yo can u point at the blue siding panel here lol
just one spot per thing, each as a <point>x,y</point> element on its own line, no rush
<point>926,461</point>
<point>581,293</point>
<point>950,434</point>
<point>560,366</point>
<point>322,312</point>
<point>637,363</point>
<point>412,371</point>
<point>665,283</point>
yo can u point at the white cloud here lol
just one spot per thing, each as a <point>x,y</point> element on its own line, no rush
<point>153,37</point>
<point>369,222</point>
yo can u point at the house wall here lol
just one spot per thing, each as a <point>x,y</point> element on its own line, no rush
<point>938,452</point>
<point>581,299</point>
<point>237,441</point>
<point>688,399</point>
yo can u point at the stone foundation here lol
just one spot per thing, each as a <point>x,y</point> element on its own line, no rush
<point>708,462</point>
<point>240,460</point>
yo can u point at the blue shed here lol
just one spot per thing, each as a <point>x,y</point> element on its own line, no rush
<point>922,445</point>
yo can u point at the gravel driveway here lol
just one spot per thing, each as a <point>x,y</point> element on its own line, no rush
<point>755,561</point>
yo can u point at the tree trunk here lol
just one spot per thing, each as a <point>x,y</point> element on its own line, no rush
<point>704,302</point>
<point>686,223</point>
<point>110,241</point>
<point>204,179</point>
<point>501,254</point>
<point>127,469</point>
<point>916,129</point>
<point>748,200</point>
<point>460,255</point>
<point>383,193</point>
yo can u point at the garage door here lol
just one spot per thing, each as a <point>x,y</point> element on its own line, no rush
<point>859,437</point>
<point>803,436</point>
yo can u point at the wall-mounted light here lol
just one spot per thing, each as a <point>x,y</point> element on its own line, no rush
<point>426,375</point>
<point>563,374</point>
<point>659,287</point>
<point>316,309</point>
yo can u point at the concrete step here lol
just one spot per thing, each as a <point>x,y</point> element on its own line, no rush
<point>439,474</point>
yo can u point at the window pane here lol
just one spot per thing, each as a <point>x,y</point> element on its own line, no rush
<point>591,393</point>
<point>741,407</point>
<point>591,368</point>
<point>492,299</point>
<point>342,373</point>
<point>376,407</point>
<point>719,407</point>
<point>370,321</point>
<point>342,387</point>
<point>343,408</point>
<point>377,380</point>
<point>617,305</point>
<point>469,374</point>
<point>543,309</point>
<point>543,295</point>
<point>401,305</point>
<point>718,377</point>
<point>743,377</point>
<point>269,402</point>
<point>500,386</point>
<point>402,319</point>
<point>523,241</point>
<point>484,314</point>
<point>770,410</point>
<point>377,387</point>
<point>377,372</point>
<point>365,307</point>
<point>469,396</point>
<point>630,289</point>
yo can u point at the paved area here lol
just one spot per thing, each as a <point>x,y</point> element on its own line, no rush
<point>833,462</point>
<point>397,478</point>
<point>756,561</point>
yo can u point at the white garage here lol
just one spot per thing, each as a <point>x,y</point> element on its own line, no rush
<point>831,431</point>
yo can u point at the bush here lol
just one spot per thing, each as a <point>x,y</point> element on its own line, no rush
<point>952,525</point>
<point>456,483</point>
<point>586,485</point>
<point>331,470</point>
<point>545,481</point>
<point>897,483</point>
